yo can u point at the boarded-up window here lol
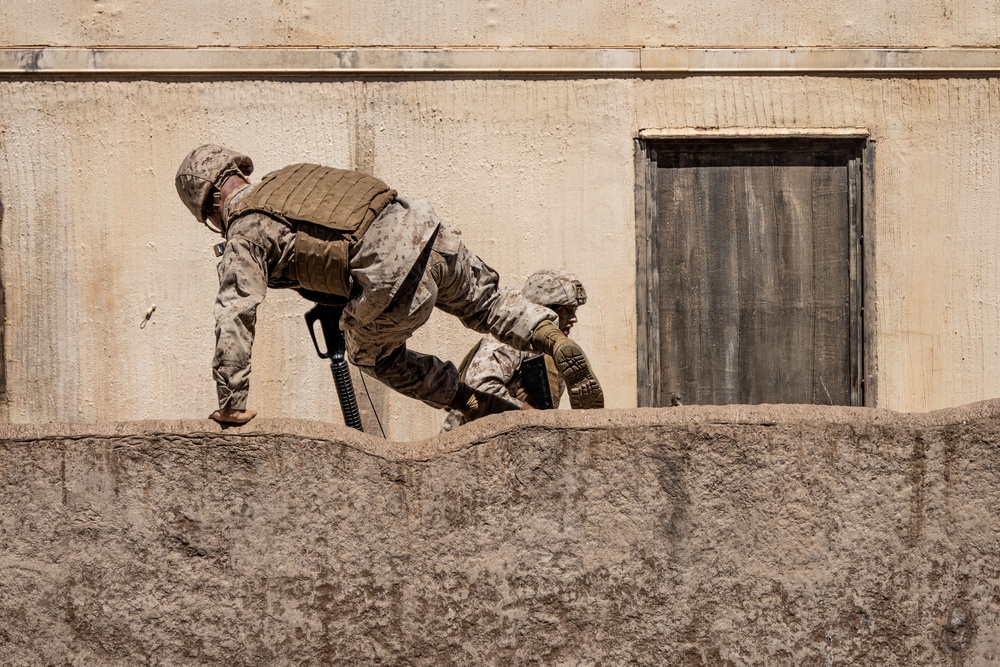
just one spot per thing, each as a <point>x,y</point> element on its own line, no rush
<point>751,272</point>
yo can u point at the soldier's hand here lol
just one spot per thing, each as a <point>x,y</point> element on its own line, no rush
<point>230,416</point>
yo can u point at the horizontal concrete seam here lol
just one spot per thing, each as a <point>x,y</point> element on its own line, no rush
<point>385,61</point>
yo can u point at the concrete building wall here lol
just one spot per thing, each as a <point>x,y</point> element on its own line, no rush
<point>770,535</point>
<point>529,151</point>
<point>432,23</point>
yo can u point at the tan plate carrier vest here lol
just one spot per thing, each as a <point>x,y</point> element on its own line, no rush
<point>329,209</point>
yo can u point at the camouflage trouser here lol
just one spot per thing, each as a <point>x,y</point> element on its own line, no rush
<point>450,277</point>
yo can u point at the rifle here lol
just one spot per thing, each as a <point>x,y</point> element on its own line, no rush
<point>329,318</point>
<point>535,380</point>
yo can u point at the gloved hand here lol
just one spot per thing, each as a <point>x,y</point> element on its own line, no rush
<point>230,416</point>
<point>474,404</point>
<point>584,390</point>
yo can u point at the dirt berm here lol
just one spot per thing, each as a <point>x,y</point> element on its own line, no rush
<point>768,535</point>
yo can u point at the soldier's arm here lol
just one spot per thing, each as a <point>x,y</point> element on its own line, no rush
<point>242,286</point>
<point>492,370</point>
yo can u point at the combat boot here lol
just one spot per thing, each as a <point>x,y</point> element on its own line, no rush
<point>584,390</point>
<point>473,403</point>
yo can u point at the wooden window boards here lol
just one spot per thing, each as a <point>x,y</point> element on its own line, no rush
<point>752,281</point>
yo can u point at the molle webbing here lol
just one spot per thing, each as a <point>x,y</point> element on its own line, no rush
<point>329,209</point>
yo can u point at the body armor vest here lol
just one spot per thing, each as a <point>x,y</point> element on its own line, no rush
<point>329,209</point>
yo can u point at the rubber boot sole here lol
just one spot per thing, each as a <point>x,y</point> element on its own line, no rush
<point>585,391</point>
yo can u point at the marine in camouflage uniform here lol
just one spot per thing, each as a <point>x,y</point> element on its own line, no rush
<point>402,264</point>
<point>495,368</point>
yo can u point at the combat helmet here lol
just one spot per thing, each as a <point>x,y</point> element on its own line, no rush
<point>554,287</point>
<point>202,173</point>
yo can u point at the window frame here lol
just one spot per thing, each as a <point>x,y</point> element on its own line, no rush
<point>861,183</point>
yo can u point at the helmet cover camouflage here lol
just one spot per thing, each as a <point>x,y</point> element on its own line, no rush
<point>205,169</point>
<point>554,287</point>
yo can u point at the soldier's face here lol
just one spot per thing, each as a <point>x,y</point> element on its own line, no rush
<point>567,318</point>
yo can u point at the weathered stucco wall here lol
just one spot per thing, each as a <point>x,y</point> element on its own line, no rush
<point>536,172</point>
<point>685,536</point>
<point>433,23</point>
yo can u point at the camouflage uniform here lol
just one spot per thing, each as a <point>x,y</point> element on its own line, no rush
<point>406,263</point>
<point>495,368</point>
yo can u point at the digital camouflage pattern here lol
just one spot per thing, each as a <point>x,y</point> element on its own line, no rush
<point>203,170</point>
<point>554,287</point>
<point>257,255</point>
<point>445,274</point>
<point>408,262</point>
<point>496,368</point>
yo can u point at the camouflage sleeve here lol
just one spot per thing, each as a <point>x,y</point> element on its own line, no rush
<point>242,286</point>
<point>493,368</point>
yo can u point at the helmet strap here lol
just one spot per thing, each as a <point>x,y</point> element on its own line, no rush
<point>217,230</point>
